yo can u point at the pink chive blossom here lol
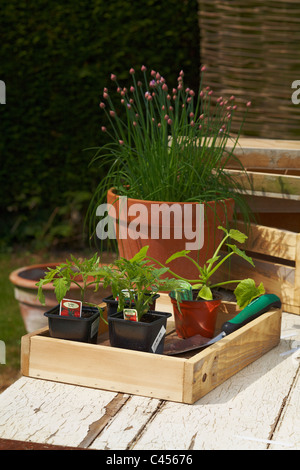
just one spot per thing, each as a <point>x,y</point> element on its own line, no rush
<point>192,93</point>
<point>192,115</point>
<point>143,68</point>
<point>219,99</point>
<point>102,105</point>
<point>168,97</point>
<point>203,68</point>
<point>105,95</point>
<point>153,73</point>
<point>201,116</point>
<point>165,87</point>
<point>131,71</point>
<point>232,98</point>
<point>174,91</point>
<point>166,117</point>
<point>132,89</point>
<point>171,108</point>
<point>180,87</point>
<point>201,94</point>
<point>170,122</point>
<point>159,124</point>
<point>234,107</point>
<point>181,73</point>
<point>210,92</point>
<point>121,142</point>
<point>113,77</point>
<point>189,99</point>
<point>134,123</point>
<point>192,123</point>
<point>112,113</point>
<point>122,101</point>
<point>103,129</point>
<point>248,104</point>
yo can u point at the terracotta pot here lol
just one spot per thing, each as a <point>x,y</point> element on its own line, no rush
<point>215,213</point>
<point>197,317</point>
<point>24,280</point>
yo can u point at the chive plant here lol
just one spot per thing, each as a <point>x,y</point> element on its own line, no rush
<point>168,144</point>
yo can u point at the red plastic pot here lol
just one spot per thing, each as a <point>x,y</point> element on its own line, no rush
<point>196,317</point>
<point>215,213</point>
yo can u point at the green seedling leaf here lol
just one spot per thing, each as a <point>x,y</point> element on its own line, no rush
<point>241,253</point>
<point>61,286</point>
<point>246,291</point>
<point>140,255</point>
<point>205,293</point>
<point>179,254</point>
<point>237,235</point>
<point>212,260</point>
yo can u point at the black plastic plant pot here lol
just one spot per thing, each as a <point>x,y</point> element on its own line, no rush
<point>112,304</point>
<point>84,329</point>
<point>147,335</point>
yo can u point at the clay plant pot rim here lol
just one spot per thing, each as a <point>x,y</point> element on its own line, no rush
<point>19,281</point>
<point>112,193</point>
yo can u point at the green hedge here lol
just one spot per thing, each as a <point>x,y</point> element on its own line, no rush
<point>55,58</point>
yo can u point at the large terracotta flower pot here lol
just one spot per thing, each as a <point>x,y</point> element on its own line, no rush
<point>24,280</point>
<point>215,213</point>
<point>195,317</point>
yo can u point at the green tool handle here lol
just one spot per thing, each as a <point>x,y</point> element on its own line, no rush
<point>256,308</point>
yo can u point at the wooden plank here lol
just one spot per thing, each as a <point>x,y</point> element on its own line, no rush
<point>50,412</point>
<point>270,241</point>
<point>288,428</point>
<point>266,154</point>
<point>208,369</point>
<point>107,368</point>
<point>247,404</point>
<point>268,184</point>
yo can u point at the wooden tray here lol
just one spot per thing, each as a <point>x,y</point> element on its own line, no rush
<point>184,378</point>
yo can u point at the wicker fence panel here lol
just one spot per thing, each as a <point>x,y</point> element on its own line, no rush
<point>252,50</point>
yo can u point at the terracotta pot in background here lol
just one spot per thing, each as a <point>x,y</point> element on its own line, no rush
<point>216,213</point>
<point>32,311</point>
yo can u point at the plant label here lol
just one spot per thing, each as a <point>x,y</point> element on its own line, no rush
<point>158,338</point>
<point>70,308</point>
<point>130,314</point>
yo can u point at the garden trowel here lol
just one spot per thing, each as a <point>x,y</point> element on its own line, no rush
<point>257,307</point>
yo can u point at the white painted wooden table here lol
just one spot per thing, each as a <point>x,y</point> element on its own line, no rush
<point>258,408</point>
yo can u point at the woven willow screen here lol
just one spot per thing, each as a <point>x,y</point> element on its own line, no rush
<point>252,50</point>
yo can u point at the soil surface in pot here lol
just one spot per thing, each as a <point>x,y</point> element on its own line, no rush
<point>148,318</point>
